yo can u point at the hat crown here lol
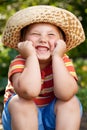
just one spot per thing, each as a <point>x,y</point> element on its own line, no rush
<point>62,18</point>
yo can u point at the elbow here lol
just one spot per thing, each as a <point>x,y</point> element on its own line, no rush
<point>66,95</point>
<point>26,91</point>
<point>32,93</point>
<point>63,97</point>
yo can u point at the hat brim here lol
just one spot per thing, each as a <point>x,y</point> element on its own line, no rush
<point>62,18</point>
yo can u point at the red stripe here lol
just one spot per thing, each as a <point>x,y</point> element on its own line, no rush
<point>45,101</point>
<point>71,68</point>
<point>19,70</point>
<point>47,84</point>
<point>16,62</point>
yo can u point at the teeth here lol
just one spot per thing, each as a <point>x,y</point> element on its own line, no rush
<point>42,49</point>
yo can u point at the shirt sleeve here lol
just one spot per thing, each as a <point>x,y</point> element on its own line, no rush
<point>69,65</point>
<point>16,66</point>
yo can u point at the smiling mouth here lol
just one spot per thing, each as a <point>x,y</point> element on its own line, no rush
<point>42,49</point>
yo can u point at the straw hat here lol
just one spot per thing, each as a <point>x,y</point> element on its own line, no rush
<point>62,18</point>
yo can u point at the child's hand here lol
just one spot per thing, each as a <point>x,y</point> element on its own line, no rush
<point>60,48</point>
<point>26,49</point>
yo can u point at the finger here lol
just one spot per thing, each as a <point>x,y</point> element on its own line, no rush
<point>19,44</point>
<point>28,42</point>
<point>61,41</point>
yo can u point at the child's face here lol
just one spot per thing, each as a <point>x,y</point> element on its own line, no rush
<point>44,37</point>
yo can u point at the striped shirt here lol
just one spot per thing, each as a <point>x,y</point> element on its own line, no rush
<point>46,95</point>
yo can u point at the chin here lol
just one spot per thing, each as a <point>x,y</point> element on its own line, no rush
<point>44,60</point>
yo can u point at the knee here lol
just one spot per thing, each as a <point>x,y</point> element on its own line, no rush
<point>20,104</point>
<point>72,104</point>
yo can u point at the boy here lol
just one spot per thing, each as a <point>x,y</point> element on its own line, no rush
<point>42,80</point>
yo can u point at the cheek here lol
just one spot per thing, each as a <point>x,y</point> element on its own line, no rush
<point>30,38</point>
<point>52,44</point>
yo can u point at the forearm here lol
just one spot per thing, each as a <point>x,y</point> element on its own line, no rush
<point>65,85</point>
<point>29,82</point>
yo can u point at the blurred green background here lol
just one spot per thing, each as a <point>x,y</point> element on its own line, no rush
<point>78,55</point>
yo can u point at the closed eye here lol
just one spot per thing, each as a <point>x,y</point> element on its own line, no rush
<point>35,34</point>
<point>51,34</point>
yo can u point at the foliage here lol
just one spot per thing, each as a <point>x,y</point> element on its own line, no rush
<point>81,68</point>
<point>82,95</point>
<point>6,55</point>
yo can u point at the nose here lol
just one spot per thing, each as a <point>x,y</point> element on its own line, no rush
<point>43,39</point>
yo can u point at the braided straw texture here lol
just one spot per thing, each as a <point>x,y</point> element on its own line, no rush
<point>62,18</point>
